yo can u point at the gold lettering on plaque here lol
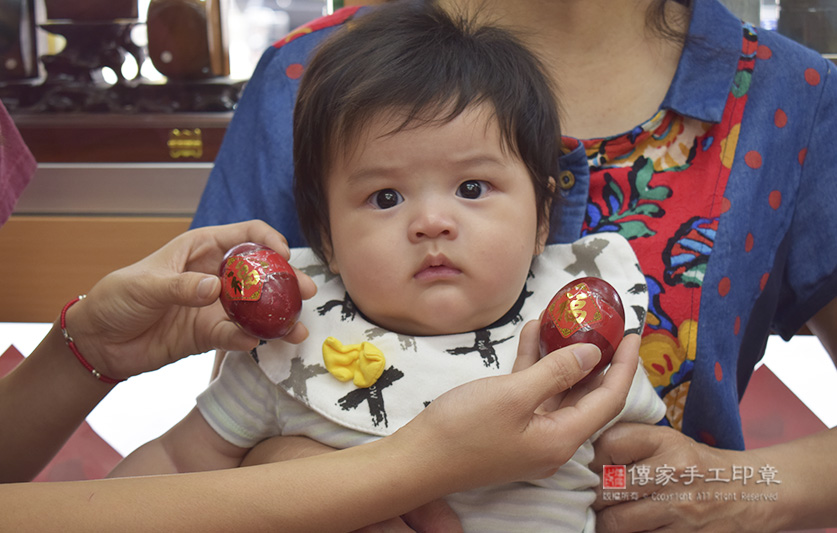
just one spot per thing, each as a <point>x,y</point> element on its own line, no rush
<point>185,143</point>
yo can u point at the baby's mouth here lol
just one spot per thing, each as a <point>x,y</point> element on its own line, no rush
<point>436,267</point>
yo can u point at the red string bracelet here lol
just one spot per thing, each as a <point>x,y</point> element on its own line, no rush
<point>72,346</point>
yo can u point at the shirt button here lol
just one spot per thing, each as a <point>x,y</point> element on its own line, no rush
<point>566,180</point>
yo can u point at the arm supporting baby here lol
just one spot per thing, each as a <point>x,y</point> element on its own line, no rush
<point>484,432</point>
<point>802,498</point>
<point>793,502</point>
<point>488,431</point>
<point>437,515</point>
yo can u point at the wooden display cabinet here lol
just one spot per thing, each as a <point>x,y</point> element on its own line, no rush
<point>109,190</point>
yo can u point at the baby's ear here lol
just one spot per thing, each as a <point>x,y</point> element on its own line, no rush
<point>543,227</point>
<point>328,253</point>
<point>543,235</point>
<point>332,266</point>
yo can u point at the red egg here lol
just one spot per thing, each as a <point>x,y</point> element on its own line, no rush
<point>585,310</point>
<point>259,291</point>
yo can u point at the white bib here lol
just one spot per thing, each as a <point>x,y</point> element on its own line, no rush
<point>419,369</point>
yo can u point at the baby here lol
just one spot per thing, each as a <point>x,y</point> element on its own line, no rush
<point>425,148</point>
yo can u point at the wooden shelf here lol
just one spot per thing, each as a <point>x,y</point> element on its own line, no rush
<point>49,260</point>
<point>124,138</point>
<point>109,190</point>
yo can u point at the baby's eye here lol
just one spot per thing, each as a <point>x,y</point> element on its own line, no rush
<point>472,189</point>
<point>386,198</point>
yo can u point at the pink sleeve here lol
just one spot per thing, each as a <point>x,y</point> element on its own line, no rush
<point>17,165</point>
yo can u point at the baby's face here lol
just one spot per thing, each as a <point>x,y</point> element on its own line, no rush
<point>433,228</point>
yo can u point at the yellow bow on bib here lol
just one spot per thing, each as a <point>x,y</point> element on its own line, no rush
<point>362,363</point>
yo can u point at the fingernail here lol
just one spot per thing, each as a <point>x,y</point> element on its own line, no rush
<point>206,287</point>
<point>587,355</point>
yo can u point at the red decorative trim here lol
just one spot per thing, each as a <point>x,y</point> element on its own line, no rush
<point>72,346</point>
<point>338,17</point>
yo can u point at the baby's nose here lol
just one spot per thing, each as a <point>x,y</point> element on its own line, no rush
<point>432,223</point>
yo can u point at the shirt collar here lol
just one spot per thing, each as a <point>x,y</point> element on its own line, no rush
<point>708,63</point>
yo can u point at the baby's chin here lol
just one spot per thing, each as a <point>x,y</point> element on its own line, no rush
<point>439,325</point>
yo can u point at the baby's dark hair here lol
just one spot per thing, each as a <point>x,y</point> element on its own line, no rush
<point>412,58</point>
